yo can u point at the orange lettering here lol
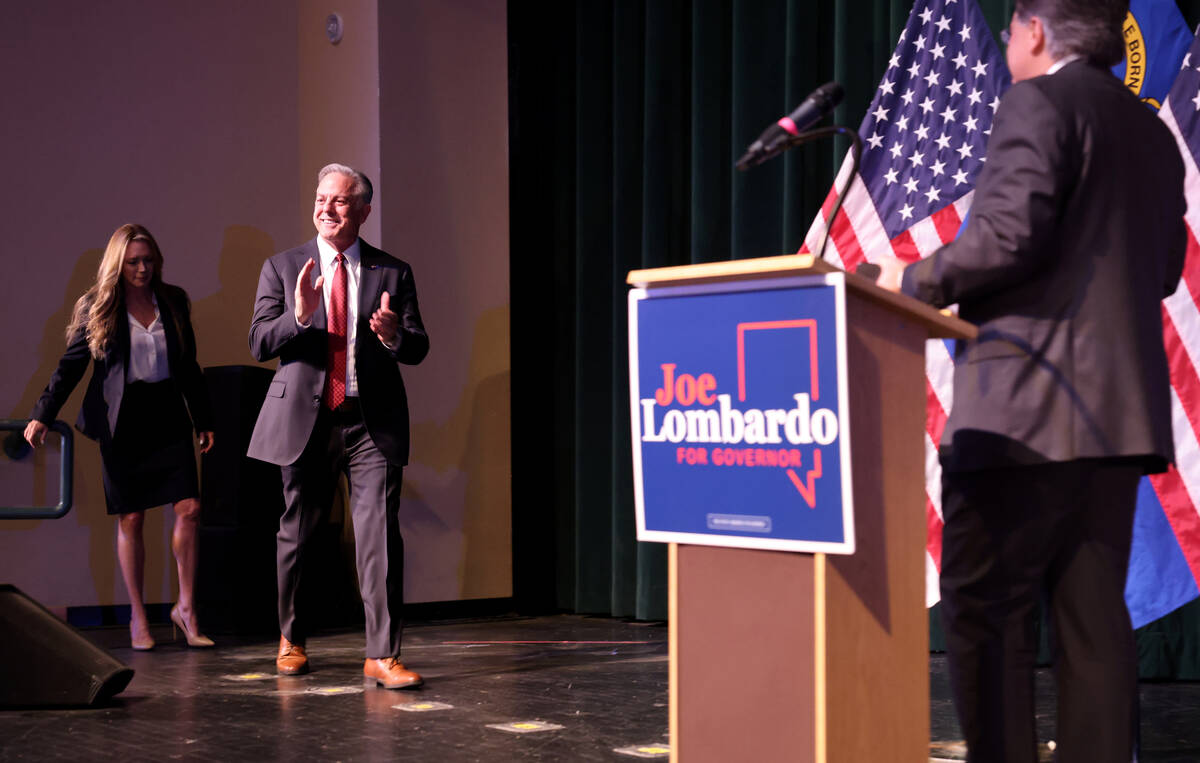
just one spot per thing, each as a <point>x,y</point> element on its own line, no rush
<point>685,389</point>
<point>665,394</point>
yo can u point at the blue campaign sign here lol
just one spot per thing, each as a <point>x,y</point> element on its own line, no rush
<point>739,410</point>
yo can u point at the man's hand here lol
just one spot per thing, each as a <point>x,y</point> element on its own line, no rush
<point>35,433</point>
<point>206,441</point>
<point>891,271</point>
<point>308,294</point>
<point>384,322</point>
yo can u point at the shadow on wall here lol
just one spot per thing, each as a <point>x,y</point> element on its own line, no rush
<point>89,494</point>
<point>487,526</point>
<point>222,320</point>
<point>53,343</point>
<point>465,464</point>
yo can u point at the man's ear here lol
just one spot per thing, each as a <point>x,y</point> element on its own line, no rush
<point>1037,36</point>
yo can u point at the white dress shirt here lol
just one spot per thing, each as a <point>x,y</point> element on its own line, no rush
<point>1060,63</point>
<point>147,349</point>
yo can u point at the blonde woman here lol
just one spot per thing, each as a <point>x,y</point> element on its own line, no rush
<point>146,394</point>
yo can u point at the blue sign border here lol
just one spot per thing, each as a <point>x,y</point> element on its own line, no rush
<point>733,540</point>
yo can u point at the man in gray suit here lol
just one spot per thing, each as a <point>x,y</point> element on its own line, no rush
<point>337,404</point>
<point>1075,236</point>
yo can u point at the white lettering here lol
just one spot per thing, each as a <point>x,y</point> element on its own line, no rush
<point>732,425</point>
<point>824,426</point>
<point>648,422</point>
<point>756,433</point>
<point>801,425</point>
<point>776,417</point>
<point>674,427</point>
<point>798,422</point>
<point>703,425</point>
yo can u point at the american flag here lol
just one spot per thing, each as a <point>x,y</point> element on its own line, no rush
<point>924,140</point>
<point>1174,567</point>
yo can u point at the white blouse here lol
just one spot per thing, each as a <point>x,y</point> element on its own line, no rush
<point>147,350</point>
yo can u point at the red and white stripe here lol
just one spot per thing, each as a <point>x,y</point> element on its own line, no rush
<point>858,235</point>
<point>1179,489</point>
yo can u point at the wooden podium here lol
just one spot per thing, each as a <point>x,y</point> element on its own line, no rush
<point>815,657</point>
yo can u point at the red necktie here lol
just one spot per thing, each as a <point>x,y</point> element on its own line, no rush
<point>335,373</point>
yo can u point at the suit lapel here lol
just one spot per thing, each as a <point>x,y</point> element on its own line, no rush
<point>116,362</point>
<point>370,280</point>
<point>166,314</point>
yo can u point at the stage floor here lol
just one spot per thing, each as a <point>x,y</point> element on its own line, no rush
<point>601,684</point>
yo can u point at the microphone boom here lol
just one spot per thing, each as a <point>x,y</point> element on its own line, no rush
<point>779,137</point>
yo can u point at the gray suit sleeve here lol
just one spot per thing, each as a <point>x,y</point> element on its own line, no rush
<point>1031,162</point>
<point>412,342</point>
<point>274,322</point>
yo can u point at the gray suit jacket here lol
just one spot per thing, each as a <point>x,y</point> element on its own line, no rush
<point>1075,236</point>
<point>289,412</point>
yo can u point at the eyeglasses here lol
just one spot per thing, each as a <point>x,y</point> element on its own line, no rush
<point>1005,36</point>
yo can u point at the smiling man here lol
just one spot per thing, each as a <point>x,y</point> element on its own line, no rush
<point>341,317</point>
<point>1075,236</point>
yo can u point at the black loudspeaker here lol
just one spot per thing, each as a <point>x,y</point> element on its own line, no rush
<point>46,662</point>
<point>241,500</point>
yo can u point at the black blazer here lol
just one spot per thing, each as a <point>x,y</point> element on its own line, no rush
<point>289,412</point>
<point>1075,237</point>
<point>102,401</point>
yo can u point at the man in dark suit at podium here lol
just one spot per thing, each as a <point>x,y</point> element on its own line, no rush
<point>342,317</point>
<point>1075,236</point>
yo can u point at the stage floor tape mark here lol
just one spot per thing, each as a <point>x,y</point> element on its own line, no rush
<point>645,751</point>
<point>524,727</point>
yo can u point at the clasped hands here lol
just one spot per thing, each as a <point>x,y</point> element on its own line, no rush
<point>384,322</point>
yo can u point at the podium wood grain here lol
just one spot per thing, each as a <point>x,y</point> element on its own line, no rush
<point>809,657</point>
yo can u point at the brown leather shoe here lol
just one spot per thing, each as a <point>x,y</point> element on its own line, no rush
<point>390,673</point>
<point>292,661</point>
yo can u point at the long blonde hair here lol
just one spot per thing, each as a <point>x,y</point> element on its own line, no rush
<point>97,310</point>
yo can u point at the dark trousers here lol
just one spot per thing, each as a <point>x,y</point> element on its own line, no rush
<point>340,444</point>
<point>1011,536</point>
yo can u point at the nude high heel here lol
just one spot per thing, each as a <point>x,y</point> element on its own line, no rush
<point>195,640</point>
<point>140,645</point>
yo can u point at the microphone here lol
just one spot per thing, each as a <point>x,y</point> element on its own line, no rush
<point>777,138</point>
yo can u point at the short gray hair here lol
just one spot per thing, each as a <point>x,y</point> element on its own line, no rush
<point>1088,28</point>
<point>363,191</point>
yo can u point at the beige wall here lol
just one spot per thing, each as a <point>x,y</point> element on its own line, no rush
<point>207,123</point>
<point>339,98</point>
<point>444,165</point>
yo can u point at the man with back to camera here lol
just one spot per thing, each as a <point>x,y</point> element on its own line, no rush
<point>1062,403</point>
<point>337,403</point>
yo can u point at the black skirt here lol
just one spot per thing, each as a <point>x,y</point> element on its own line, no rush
<point>151,461</point>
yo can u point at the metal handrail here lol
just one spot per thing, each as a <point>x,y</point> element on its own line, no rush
<point>66,480</point>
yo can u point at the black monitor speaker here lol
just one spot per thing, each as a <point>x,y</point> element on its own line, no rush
<point>46,662</point>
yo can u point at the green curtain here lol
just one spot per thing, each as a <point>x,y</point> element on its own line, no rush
<point>625,120</point>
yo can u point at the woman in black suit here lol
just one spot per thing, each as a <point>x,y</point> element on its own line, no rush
<point>145,396</point>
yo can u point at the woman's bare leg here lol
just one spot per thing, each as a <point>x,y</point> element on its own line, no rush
<point>184,542</point>
<point>131,554</point>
